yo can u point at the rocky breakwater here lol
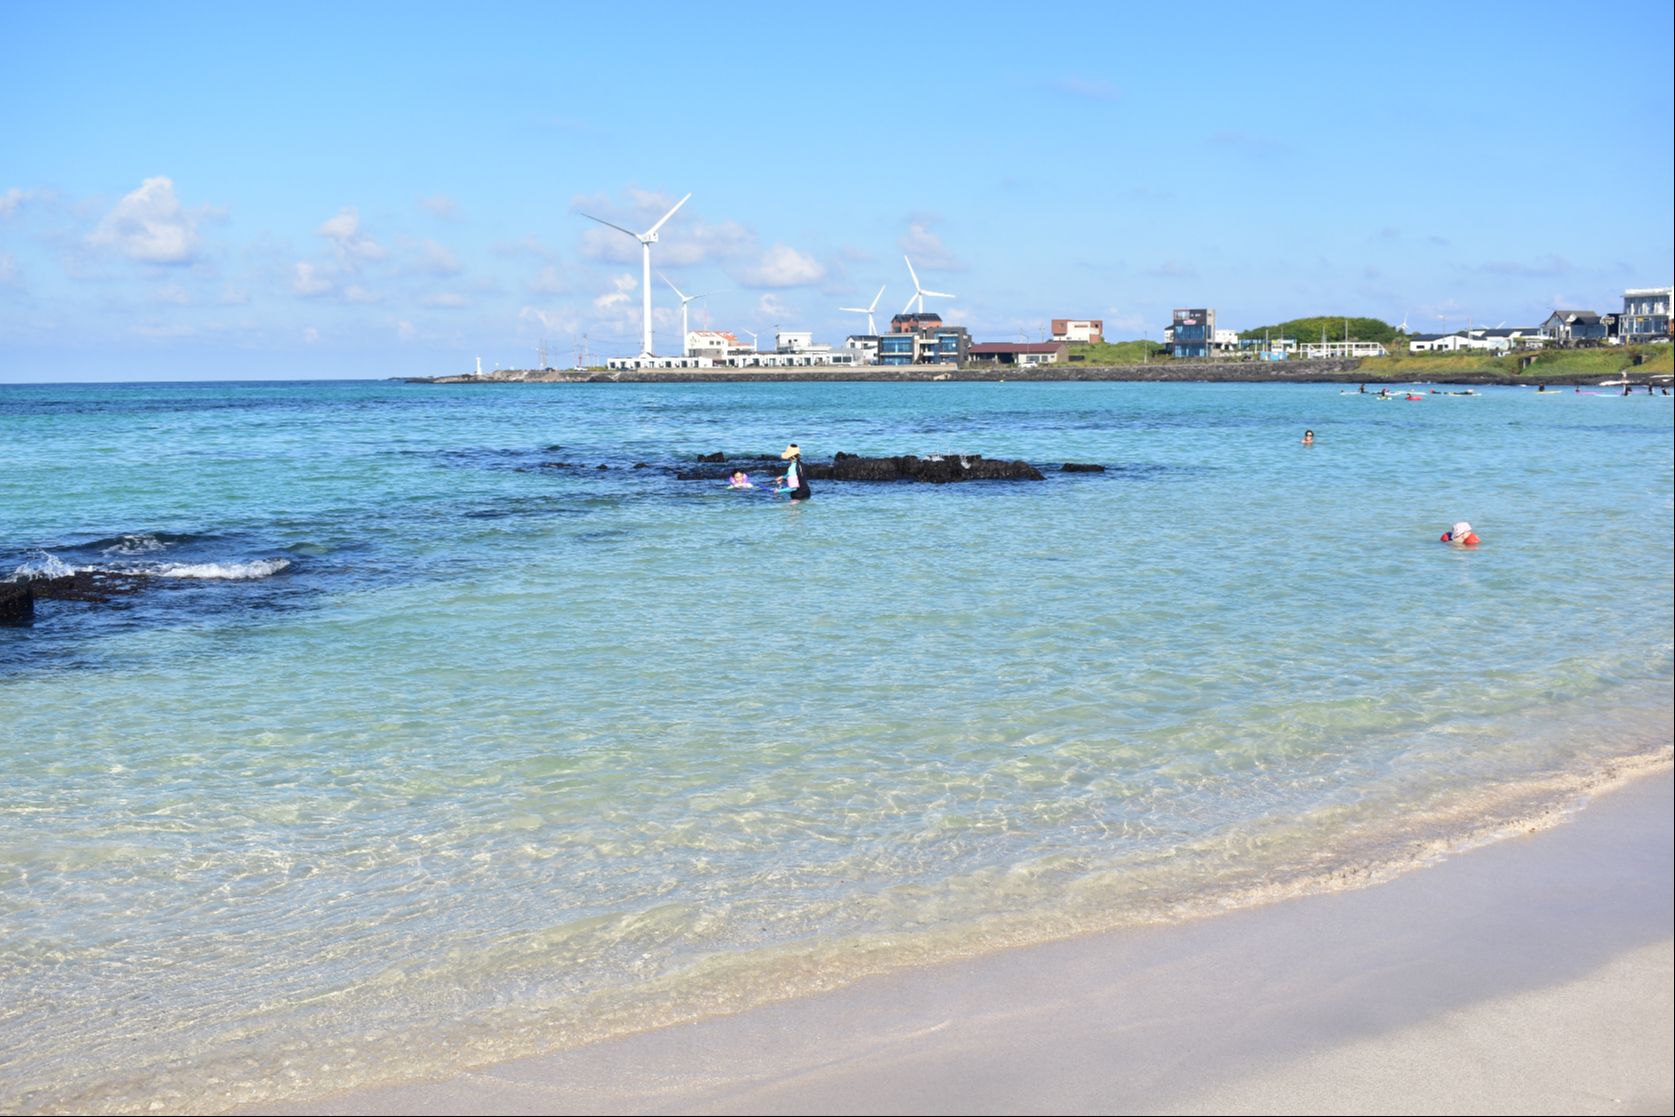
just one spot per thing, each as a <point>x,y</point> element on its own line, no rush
<point>18,597</point>
<point>934,469</point>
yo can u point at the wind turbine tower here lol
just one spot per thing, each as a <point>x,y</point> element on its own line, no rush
<point>919,293</point>
<point>646,239</point>
<point>685,330</point>
<point>867,310</point>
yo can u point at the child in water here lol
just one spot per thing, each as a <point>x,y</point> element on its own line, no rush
<point>1462,534</point>
<point>739,480</point>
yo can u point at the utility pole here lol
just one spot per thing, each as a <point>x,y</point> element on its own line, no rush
<point>541,354</point>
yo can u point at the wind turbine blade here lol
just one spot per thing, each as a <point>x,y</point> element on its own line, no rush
<point>672,287</point>
<point>856,309</point>
<point>938,294</point>
<point>666,216</point>
<point>911,272</point>
<point>875,299</point>
<point>613,225</point>
<point>910,300</point>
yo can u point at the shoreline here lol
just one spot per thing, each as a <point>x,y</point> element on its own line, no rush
<point>1232,372</point>
<point>1528,963</point>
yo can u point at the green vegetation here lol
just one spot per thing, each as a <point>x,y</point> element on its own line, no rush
<point>1307,331</point>
<point>1103,353</point>
<point>1549,364</point>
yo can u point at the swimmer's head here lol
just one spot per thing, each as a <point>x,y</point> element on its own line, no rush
<point>1461,530</point>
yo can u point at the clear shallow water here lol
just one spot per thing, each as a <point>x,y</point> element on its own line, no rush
<point>422,751</point>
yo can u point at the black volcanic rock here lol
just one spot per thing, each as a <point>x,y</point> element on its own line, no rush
<point>718,456</point>
<point>1081,467</point>
<point>938,469</point>
<point>17,604</point>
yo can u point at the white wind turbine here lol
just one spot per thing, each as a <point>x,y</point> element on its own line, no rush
<point>646,239</point>
<point>685,331</point>
<point>919,292</point>
<point>867,310</point>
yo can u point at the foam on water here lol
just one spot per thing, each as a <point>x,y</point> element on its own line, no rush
<point>540,756</point>
<point>224,571</point>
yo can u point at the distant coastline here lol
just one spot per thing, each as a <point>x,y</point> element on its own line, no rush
<point>1231,372</point>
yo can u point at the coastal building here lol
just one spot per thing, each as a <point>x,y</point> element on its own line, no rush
<point>923,339</point>
<point>1192,332</point>
<point>1339,350</point>
<point>1569,327</point>
<point>1079,329</point>
<point>864,346</point>
<point>1226,341</point>
<point>1501,339</point>
<point>715,344</point>
<point>1645,315</point>
<point>1022,354</point>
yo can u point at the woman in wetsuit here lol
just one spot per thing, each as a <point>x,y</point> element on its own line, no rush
<point>795,477</point>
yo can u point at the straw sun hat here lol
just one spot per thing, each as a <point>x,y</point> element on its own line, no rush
<point>791,451</point>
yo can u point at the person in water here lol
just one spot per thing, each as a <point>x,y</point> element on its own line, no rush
<point>1462,534</point>
<point>795,478</point>
<point>739,480</point>
<point>1308,438</point>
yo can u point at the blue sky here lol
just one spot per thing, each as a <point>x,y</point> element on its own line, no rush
<point>373,189</point>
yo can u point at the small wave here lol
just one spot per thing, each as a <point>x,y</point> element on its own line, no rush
<point>143,544</point>
<point>45,566</point>
<point>226,571</point>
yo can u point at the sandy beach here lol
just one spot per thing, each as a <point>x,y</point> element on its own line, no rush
<point>1531,975</point>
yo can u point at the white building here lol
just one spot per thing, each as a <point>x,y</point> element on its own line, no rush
<point>1339,350</point>
<point>1078,329</point>
<point>716,344</point>
<point>1645,315</point>
<point>864,346</point>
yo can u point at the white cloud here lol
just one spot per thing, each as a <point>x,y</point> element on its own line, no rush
<point>233,296</point>
<point>440,205</point>
<point>405,331</point>
<point>149,225</point>
<point>355,293</point>
<point>8,271</point>
<point>446,299</point>
<point>783,266</point>
<point>308,281</point>
<point>11,200</point>
<point>621,293</point>
<point>550,321</point>
<point>528,245</point>
<point>345,233</point>
<point>925,248</point>
<point>310,336</point>
<point>174,294</point>
<point>437,260</point>
<point>549,282</point>
<point>771,306</point>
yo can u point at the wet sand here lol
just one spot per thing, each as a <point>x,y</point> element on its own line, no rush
<point>1532,975</point>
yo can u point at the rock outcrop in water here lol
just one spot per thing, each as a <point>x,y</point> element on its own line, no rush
<point>17,605</point>
<point>17,598</point>
<point>940,469</point>
<point>934,469</point>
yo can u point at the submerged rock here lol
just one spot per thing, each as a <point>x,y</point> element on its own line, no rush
<point>939,469</point>
<point>17,604</point>
<point>1081,467</point>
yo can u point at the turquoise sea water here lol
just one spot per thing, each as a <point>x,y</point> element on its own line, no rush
<point>430,742</point>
